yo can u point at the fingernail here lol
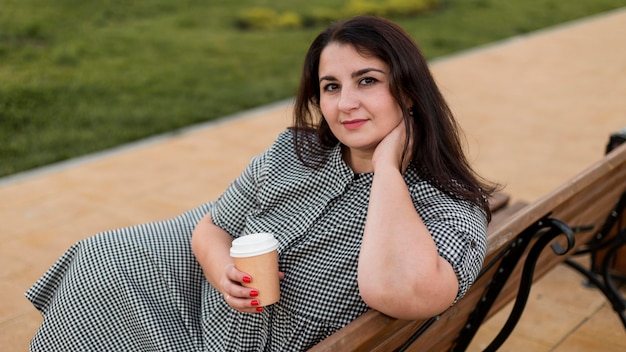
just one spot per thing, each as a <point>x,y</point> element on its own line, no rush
<point>255,302</point>
<point>254,293</point>
<point>259,309</point>
<point>247,279</point>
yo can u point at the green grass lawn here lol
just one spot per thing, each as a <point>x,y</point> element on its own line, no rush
<point>81,76</point>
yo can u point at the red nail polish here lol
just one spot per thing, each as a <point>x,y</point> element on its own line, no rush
<point>254,293</point>
<point>254,302</point>
<point>259,309</point>
<point>247,279</point>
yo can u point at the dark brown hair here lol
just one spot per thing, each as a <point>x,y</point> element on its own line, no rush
<point>437,149</point>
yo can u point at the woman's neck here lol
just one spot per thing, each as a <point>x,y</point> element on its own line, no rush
<point>360,163</point>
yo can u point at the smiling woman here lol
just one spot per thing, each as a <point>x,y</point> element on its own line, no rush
<point>367,88</point>
<point>356,102</point>
<point>369,197</point>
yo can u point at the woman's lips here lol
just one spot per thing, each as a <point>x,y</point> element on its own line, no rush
<point>353,124</point>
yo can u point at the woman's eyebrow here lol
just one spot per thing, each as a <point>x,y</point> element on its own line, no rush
<point>355,74</point>
<point>366,70</point>
<point>327,78</point>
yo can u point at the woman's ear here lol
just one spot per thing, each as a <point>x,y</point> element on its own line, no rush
<point>409,105</point>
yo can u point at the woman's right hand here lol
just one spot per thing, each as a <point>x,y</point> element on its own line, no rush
<point>237,296</point>
<point>211,246</point>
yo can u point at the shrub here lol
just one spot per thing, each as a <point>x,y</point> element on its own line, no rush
<point>263,18</point>
<point>322,16</point>
<point>257,18</point>
<point>411,7</point>
<point>364,7</point>
<point>390,7</point>
<point>289,20</point>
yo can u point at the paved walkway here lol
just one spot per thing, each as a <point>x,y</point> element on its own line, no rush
<point>536,110</point>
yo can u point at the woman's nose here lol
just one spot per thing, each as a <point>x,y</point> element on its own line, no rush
<point>348,100</point>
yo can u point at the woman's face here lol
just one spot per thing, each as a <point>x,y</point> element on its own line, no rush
<point>356,100</point>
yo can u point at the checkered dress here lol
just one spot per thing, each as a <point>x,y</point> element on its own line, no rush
<point>140,288</point>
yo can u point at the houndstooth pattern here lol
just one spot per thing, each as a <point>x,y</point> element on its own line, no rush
<point>140,288</point>
<point>132,289</point>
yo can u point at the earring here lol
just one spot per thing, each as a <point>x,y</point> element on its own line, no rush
<point>411,111</point>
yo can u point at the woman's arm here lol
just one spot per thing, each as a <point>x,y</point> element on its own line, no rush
<point>211,246</point>
<point>400,272</point>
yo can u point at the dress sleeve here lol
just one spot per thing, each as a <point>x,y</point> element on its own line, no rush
<point>459,230</point>
<point>232,207</point>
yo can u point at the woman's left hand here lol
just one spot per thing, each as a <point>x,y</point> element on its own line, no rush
<point>389,151</point>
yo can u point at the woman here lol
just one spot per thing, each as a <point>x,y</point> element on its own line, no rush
<point>369,195</point>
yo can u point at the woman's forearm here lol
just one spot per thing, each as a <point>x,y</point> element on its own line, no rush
<point>211,245</point>
<point>400,272</point>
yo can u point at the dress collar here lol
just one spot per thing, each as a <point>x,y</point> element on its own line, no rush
<point>345,173</point>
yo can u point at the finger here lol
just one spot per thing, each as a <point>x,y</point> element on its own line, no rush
<point>236,291</point>
<point>236,275</point>
<point>243,304</point>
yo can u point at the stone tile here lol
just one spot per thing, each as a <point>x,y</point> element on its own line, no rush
<point>585,343</point>
<point>564,287</point>
<point>515,342</point>
<point>15,334</point>
<point>605,323</point>
<point>42,214</point>
<point>15,305</point>
<point>10,264</point>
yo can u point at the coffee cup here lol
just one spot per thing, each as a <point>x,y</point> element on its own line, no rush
<point>256,254</point>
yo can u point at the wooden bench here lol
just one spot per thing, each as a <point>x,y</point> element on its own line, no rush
<point>567,218</point>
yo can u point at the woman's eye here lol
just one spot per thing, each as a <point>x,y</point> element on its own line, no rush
<point>330,87</point>
<point>368,81</point>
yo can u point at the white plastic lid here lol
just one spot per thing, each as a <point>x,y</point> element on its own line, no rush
<point>254,244</point>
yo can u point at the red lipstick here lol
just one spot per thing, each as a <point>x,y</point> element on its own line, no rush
<point>354,124</point>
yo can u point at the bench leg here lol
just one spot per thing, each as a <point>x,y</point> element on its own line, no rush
<point>606,245</point>
<point>547,230</point>
<point>605,285</point>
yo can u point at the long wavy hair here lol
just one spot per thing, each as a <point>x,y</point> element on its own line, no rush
<point>437,149</point>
